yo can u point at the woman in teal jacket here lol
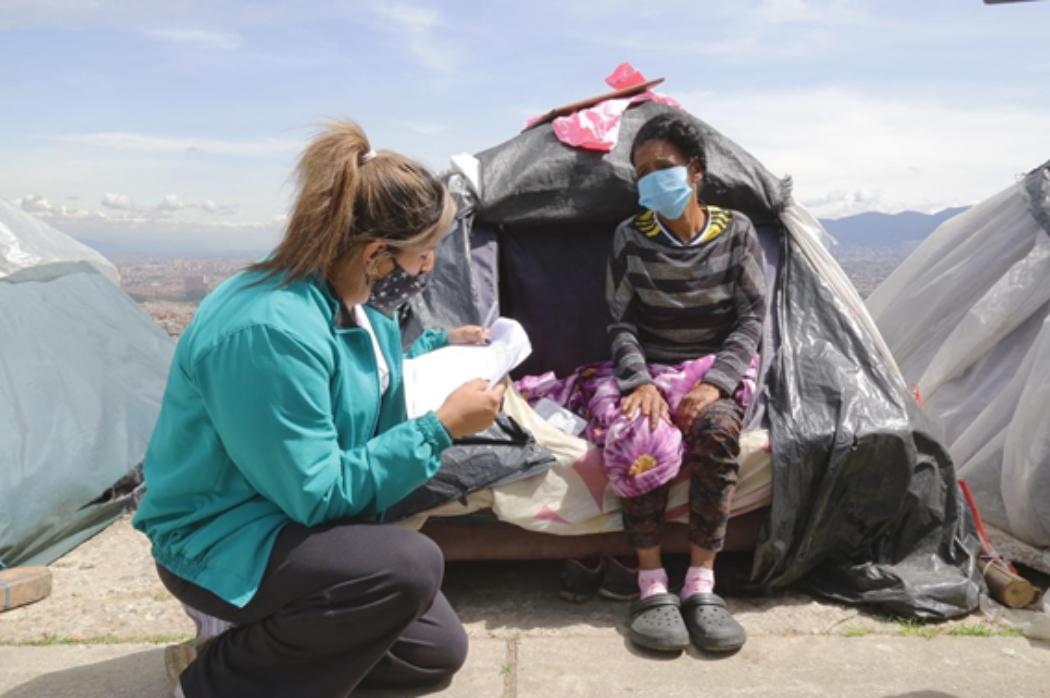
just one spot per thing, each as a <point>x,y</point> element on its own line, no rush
<point>283,435</point>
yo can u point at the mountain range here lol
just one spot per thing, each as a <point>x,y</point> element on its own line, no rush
<point>888,231</point>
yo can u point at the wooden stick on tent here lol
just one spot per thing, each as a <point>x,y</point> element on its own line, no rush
<point>1005,585</point>
<point>597,99</point>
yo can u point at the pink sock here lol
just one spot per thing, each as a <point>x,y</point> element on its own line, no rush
<point>698,580</point>
<point>651,582</point>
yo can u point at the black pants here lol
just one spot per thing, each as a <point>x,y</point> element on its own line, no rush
<point>340,605</point>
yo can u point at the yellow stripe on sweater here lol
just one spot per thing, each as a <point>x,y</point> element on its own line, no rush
<point>647,224</point>
<point>720,219</point>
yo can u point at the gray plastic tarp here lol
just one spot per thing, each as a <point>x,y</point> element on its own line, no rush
<point>82,370</point>
<point>967,316</point>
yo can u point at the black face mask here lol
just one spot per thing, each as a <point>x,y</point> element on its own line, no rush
<point>395,289</point>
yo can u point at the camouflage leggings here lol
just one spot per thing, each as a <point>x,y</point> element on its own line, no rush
<point>712,447</point>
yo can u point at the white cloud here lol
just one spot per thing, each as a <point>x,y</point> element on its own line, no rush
<point>126,208</point>
<point>35,204</point>
<point>422,29</point>
<point>850,151</point>
<point>121,209</point>
<point>171,203</point>
<point>120,202</point>
<point>40,207</point>
<point>211,207</point>
<point>841,202</point>
<point>213,40</point>
<point>141,142</point>
<point>148,229</point>
<point>66,213</point>
<point>172,234</point>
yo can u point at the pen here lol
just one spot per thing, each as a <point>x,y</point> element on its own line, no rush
<point>490,316</point>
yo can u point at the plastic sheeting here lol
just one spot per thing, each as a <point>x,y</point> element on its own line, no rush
<point>27,242</point>
<point>534,178</point>
<point>967,317</point>
<point>464,287</point>
<point>82,370</point>
<point>865,504</point>
<point>553,282</point>
<point>501,454</point>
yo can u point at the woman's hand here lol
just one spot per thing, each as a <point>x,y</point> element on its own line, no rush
<point>471,408</point>
<point>469,334</point>
<point>647,399</point>
<point>702,396</point>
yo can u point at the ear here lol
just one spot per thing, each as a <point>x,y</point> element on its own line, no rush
<point>696,175</point>
<point>371,253</point>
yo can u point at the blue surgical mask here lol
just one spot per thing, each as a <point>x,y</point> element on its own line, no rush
<point>666,191</point>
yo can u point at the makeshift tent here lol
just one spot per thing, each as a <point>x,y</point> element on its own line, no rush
<point>82,370</point>
<point>864,504</point>
<point>967,316</point>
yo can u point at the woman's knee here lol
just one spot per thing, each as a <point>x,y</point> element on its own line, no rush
<point>448,643</point>
<point>402,564</point>
<point>717,430</point>
<point>427,655</point>
<point>453,652</point>
<point>417,568</point>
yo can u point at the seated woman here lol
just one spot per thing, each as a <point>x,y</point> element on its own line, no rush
<point>282,436</point>
<point>685,280</point>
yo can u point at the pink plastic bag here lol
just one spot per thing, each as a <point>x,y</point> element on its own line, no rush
<point>598,127</point>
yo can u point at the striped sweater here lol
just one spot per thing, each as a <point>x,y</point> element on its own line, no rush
<point>670,302</point>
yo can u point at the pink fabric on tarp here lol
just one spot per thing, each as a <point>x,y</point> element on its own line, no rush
<point>598,128</point>
<point>636,458</point>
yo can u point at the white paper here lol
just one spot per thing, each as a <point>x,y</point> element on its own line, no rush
<point>430,378</point>
<point>559,417</point>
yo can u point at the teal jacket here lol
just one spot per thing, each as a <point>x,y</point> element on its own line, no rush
<point>273,414</point>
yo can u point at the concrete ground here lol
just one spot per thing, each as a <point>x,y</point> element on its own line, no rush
<point>102,632</point>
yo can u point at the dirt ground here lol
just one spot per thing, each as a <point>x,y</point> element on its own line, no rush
<point>107,591</point>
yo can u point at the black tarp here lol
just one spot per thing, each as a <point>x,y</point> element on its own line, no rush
<point>534,178</point>
<point>552,278</point>
<point>503,453</point>
<point>1037,187</point>
<point>865,505</point>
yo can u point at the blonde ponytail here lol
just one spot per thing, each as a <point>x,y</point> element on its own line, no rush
<point>350,195</point>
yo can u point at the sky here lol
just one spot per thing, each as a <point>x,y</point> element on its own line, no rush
<point>141,123</point>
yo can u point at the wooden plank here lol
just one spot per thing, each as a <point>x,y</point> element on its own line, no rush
<point>23,585</point>
<point>503,541</point>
